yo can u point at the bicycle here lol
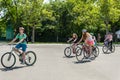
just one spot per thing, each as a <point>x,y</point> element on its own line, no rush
<point>107,48</point>
<point>69,50</point>
<point>8,59</point>
<point>85,53</point>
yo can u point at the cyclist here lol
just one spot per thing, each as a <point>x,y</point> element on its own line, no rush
<point>74,40</point>
<point>94,38</point>
<point>87,38</point>
<point>22,43</point>
<point>108,40</point>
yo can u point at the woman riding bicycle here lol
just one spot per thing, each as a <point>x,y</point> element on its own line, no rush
<point>87,38</point>
<point>74,40</point>
<point>22,42</point>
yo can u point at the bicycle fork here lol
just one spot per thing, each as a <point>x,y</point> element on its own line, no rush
<point>9,57</point>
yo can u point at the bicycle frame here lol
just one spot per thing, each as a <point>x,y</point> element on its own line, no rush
<point>15,51</point>
<point>85,48</point>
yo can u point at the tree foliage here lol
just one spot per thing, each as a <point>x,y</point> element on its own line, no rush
<point>57,20</point>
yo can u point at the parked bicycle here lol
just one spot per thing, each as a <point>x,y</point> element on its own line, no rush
<point>107,48</point>
<point>85,52</point>
<point>8,59</point>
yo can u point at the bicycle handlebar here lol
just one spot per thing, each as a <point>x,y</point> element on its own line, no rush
<point>12,44</point>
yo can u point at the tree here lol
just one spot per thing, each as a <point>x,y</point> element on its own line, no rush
<point>31,16</point>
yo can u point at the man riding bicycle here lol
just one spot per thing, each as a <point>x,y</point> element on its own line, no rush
<point>22,43</point>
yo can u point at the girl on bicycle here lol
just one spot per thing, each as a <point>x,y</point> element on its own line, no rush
<point>74,40</point>
<point>87,38</point>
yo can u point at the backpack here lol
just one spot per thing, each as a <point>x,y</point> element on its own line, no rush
<point>26,39</point>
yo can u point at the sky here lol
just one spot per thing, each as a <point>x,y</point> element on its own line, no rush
<point>1,13</point>
<point>46,1</point>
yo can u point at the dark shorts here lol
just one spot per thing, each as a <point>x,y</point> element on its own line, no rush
<point>23,46</point>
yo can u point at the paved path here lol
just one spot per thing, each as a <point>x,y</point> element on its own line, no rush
<point>52,65</point>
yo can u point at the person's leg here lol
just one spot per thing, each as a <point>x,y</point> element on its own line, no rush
<point>90,47</point>
<point>24,46</point>
<point>90,43</point>
<point>18,46</point>
<point>73,46</point>
<point>111,45</point>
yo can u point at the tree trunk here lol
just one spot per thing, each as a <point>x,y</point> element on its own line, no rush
<point>57,38</point>
<point>106,27</point>
<point>33,34</point>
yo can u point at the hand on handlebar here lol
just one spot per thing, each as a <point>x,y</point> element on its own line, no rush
<point>11,43</point>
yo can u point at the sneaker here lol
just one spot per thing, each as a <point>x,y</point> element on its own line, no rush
<point>23,62</point>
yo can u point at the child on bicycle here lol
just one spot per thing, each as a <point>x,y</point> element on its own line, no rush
<point>22,42</point>
<point>87,38</point>
<point>94,38</point>
<point>74,40</point>
<point>108,40</point>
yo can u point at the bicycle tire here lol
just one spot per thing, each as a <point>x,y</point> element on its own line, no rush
<point>80,57</point>
<point>96,51</point>
<point>78,49</point>
<point>2,58</point>
<point>103,49</point>
<point>35,58</point>
<point>67,54</point>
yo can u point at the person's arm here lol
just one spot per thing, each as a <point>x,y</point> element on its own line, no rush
<point>75,40</point>
<point>70,39</point>
<point>22,39</point>
<point>12,41</point>
<point>80,40</point>
<point>106,37</point>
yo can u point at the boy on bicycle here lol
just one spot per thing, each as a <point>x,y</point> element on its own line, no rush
<point>74,40</point>
<point>22,43</point>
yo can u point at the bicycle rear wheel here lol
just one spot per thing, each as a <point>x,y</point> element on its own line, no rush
<point>67,52</point>
<point>8,60</point>
<point>113,49</point>
<point>30,58</point>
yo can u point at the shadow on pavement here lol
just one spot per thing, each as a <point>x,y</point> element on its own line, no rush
<point>69,57</point>
<point>107,53</point>
<point>14,68</point>
<point>81,62</point>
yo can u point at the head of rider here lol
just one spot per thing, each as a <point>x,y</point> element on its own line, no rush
<point>21,30</point>
<point>84,34</point>
<point>74,36</point>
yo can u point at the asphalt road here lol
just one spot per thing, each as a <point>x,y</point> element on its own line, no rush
<point>52,65</point>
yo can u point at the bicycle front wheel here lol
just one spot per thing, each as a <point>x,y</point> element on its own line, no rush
<point>105,49</point>
<point>80,55</point>
<point>8,60</point>
<point>30,58</point>
<point>67,52</point>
